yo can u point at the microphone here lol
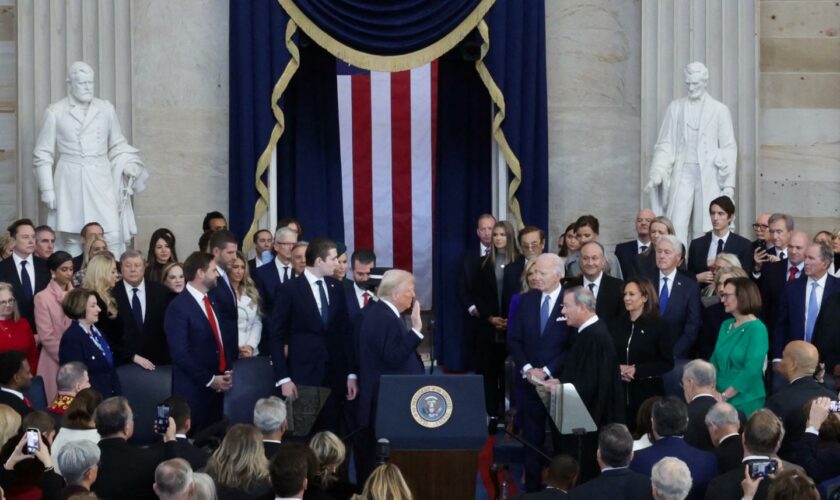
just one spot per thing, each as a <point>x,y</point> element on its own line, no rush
<point>383,450</point>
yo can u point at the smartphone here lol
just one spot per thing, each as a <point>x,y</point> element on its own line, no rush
<point>834,406</point>
<point>162,418</point>
<point>762,468</point>
<point>762,244</point>
<point>33,441</point>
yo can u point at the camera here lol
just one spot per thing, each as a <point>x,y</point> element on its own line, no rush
<point>834,406</point>
<point>162,418</point>
<point>33,441</point>
<point>762,468</point>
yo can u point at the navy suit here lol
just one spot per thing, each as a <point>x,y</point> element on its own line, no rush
<point>698,252</point>
<point>76,345</point>
<point>150,340</point>
<point>195,357</point>
<point>527,345</point>
<point>224,303</point>
<point>267,279</point>
<point>627,254</point>
<point>702,464</point>
<point>774,277</point>
<point>9,274</point>
<point>790,323</point>
<point>614,484</point>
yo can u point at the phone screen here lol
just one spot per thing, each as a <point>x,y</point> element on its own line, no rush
<point>162,418</point>
<point>33,441</point>
<point>834,406</point>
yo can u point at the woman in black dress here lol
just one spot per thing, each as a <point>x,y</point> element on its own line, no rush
<point>643,346</point>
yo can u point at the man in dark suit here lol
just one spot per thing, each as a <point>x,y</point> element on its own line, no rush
<point>616,481</point>
<point>608,291</point>
<point>827,336</point>
<point>15,379</point>
<point>310,317</point>
<point>141,308</point>
<point>679,305</point>
<point>385,347</point>
<point>762,240</point>
<point>669,417</point>
<point>269,277</point>
<point>698,381</point>
<point>127,472</point>
<point>270,419</point>
<point>470,264</point>
<point>44,242</point>
<point>532,243</point>
<point>559,477</point>
<point>803,298</point>
<point>202,353</point>
<point>537,342</point>
<point>358,295</point>
<point>820,462</point>
<point>723,422</point>
<point>778,233</point>
<point>627,252</point>
<point>88,230</point>
<point>262,243</point>
<point>180,412</point>
<point>720,240</point>
<point>223,246</point>
<point>26,273</point>
<point>798,364</point>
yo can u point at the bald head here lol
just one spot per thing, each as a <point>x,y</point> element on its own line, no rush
<point>799,359</point>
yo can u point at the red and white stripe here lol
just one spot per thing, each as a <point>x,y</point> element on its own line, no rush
<point>387,124</point>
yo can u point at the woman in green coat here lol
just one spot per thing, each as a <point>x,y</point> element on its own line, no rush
<point>741,347</point>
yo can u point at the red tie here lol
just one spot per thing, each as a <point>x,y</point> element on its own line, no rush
<point>792,273</point>
<point>213,326</point>
<point>27,402</point>
<point>366,296</point>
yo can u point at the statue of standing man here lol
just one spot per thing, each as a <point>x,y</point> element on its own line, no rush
<point>694,157</point>
<point>96,170</point>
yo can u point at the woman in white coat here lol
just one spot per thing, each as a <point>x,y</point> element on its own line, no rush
<point>248,302</point>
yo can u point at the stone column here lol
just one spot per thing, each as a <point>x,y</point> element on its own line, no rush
<point>722,35</point>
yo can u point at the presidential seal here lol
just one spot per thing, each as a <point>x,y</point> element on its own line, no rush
<point>431,406</point>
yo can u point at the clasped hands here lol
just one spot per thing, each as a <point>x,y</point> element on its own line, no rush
<point>222,383</point>
<point>628,372</point>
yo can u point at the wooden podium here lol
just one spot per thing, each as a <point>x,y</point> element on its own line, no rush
<point>435,426</point>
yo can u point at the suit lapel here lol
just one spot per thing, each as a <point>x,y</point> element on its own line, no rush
<point>308,296</point>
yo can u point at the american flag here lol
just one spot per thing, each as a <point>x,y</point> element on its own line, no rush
<point>387,127</point>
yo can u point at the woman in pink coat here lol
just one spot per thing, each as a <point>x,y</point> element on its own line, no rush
<point>50,319</point>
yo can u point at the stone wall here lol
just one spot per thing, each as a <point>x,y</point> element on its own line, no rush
<point>8,114</point>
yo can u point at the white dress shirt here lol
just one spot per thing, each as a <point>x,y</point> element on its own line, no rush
<point>552,300</point>
<point>712,253</point>
<point>313,285</point>
<point>30,269</point>
<point>281,269</point>
<point>141,294</point>
<point>820,289</point>
<point>671,278</point>
<point>596,282</point>
<point>360,295</point>
<point>640,244</point>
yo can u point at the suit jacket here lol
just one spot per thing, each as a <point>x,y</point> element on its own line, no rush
<point>267,279</point>
<point>17,404</point>
<point>790,324</point>
<point>627,254</point>
<point>615,484</point>
<point>227,310</point>
<point>696,434</point>
<point>826,333</point>
<point>192,454</point>
<point>318,353</point>
<point>271,449</point>
<point>486,294</point>
<point>386,347</point>
<point>820,462</point>
<point>76,345</point>
<point>150,341</point>
<point>512,282</point>
<point>195,357</point>
<point>771,283</point>
<point>9,274</point>
<point>788,405</point>
<point>728,485</point>
<point>126,472</point>
<point>702,464</point>
<point>682,312</point>
<point>470,262</point>
<point>527,344</point>
<point>77,262</point>
<point>609,305</point>
<point>729,454</point>
<point>698,252</point>
<point>546,494</point>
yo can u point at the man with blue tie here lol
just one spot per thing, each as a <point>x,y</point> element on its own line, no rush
<point>27,274</point>
<point>202,352</point>
<point>537,342</point>
<point>223,246</point>
<point>803,298</point>
<point>310,317</point>
<point>679,305</point>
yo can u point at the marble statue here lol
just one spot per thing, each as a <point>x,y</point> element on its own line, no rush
<point>694,157</point>
<point>96,170</point>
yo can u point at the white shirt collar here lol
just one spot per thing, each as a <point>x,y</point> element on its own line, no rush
<point>755,457</point>
<point>18,260</point>
<point>272,441</point>
<point>597,281</point>
<point>180,436</point>
<point>669,276</point>
<point>725,237</point>
<point>198,296</point>
<point>701,395</point>
<point>392,306</point>
<point>12,391</point>
<point>588,322</point>
<point>484,249</point>
<point>821,281</point>
<point>782,251</point>
<point>554,294</point>
<point>280,264</point>
<point>640,244</point>
<point>724,438</point>
<point>311,278</point>
<point>605,469</point>
<point>141,288</point>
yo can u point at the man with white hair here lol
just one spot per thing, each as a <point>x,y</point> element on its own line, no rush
<point>670,479</point>
<point>694,157</point>
<point>174,480</point>
<point>270,419</point>
<point>96,171</point>
<point>723,423</point>
<point>79,465</point>
<point>698,383</point>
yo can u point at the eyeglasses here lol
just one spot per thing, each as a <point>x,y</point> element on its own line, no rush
<point>9,302</point>
<point>725,295</point>
<point>285,243</point>
<point>760,226</point>
<point>535,244</point>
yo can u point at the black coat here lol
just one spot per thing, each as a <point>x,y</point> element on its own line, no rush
<point>150,341</point>
<point>17,404</point>
<point>788,405</point>
<point>729,454</point>
<point>696,434</point>
<point>827,333</point>
<point>192,454</point>
<point>616,484</point>
<point>728,486</point>
<point>698,252</point>
<point>627,254</point>
<point>610,301</point>
<point>127,472</point>
<point>9,274</point>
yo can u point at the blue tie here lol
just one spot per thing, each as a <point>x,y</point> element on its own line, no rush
<point>813,311</point>
<point>25,282</point>
<point>137,309</point>
<point>545,312</point>
<point>663,297</point>
<point>324,303</point>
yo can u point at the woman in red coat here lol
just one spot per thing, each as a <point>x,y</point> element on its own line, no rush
<point>15,332</point>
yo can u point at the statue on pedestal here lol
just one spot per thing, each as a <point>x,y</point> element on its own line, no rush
<point>694,158</point>
<point>96,170</point>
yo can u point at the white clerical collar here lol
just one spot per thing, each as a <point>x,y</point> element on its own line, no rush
<point>588,322</point>
<point>392,306</point>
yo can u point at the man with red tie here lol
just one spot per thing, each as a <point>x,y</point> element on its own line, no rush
<point>202,352</point>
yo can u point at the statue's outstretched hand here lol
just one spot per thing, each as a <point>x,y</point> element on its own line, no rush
<point>48,197</point>
<point>655,180</point>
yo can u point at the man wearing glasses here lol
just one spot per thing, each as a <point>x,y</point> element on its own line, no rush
<point>270,276</point>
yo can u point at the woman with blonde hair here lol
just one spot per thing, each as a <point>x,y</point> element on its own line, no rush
<point>9,423</point>
<point>646,261</point>
<point>100,278</point>
<point>722,260</point>
<point>385,483</point>
<point>248,304</point>
<point>330,452</point>
<point>94,245</point>
<point>239,467</point>
<point>15,330</point>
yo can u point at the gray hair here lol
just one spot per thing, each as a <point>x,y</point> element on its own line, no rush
<point>826,252</point>
<point>205,488</point>
<point>78,67</point>
<point>70,374</point>
<point>392,280</point>
<point>674,241</point>
<point>75,458</point>
<point>555,261</point>
<point>671,479</point>
<point>722,415</point>
<point>615,444</point>
<point>696,68</point>
<point>595,242</point>
<point>300,244</point>
<point>582,297</point>
<point>269,414</point>
<point>132,254</point>
<point>779,216</point>
<point>173,478</point>
<point>701,372</point>
<point>285,231</point>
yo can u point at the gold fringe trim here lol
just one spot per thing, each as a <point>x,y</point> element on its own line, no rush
<point>375,62</point>
<point>499,100</point>
<point>264,161</point>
